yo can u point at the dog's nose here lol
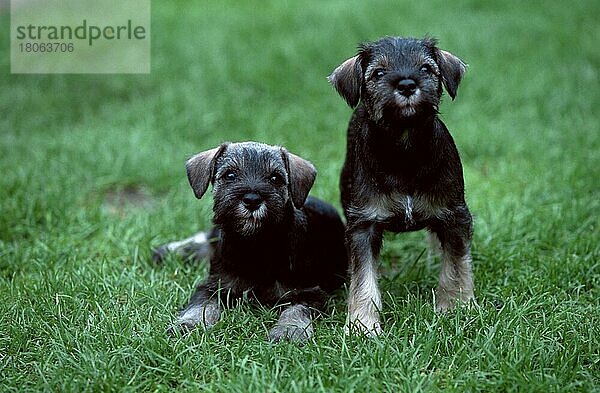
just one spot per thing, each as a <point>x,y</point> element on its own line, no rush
<point>407,87</point>
<point>252,200</point>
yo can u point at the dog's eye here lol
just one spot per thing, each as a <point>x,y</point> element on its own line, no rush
<point>276,179</point>
<point>229,175</point>
<point>426,68</point>
<point>378,73</point>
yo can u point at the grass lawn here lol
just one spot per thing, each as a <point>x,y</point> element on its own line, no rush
<point>83,308</point>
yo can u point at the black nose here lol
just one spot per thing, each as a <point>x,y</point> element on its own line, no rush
<point>407,87</point>
<point>252,200</point>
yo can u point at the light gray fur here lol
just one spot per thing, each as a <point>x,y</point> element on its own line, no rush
<point>364,298</point>
<point>193,245</point>
<point>294,324</point>
<point>387,206</point>
<point>434,247</point>
<point>455,283</point>
<point>203,315</point>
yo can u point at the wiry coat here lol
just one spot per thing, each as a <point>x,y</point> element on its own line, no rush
<point>270,242</point>
<point>402,170</point>
<point>298,260</point>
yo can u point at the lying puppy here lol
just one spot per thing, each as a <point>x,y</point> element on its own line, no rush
<point>402,170</point>
<point>270,243</point>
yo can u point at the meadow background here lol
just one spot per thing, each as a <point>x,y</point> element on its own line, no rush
<point>92,176</point>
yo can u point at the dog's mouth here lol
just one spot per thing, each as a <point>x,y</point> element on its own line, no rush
<point>405,109</point>
<point>250,220</point>
<point>407,106</point>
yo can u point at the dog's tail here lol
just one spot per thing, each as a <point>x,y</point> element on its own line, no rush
<point>194,248</point>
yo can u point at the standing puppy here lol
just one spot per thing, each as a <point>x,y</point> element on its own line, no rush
<point>402,170</point>
<point>270,243</point>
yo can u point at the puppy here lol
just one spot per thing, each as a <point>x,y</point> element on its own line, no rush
<point>402,170</point>
<point>270,242</point>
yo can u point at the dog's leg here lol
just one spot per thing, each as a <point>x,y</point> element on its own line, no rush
<point>433,247</point>
<point>456,277</point>
<point>364,299</point>
<point>294,324</point>
<point>202,310</point>
<point>194,247</point>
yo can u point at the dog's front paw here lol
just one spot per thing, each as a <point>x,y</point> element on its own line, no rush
<point>290,333</point>
<point>180,328</point>
<point>445,302</point>
<point>183,327</point>
<point>203,316</point>
<point>369,328</point>
<point>363,318</point>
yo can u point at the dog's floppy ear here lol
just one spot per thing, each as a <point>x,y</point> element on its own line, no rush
<point>301,176</point>
<point>201,169</point>
<point>347,80</point>
<point>452,69</point>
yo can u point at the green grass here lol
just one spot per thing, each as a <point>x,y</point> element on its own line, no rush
<point>83,308</point>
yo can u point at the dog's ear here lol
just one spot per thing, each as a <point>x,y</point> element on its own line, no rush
<point>301,177</point>
<point>452,69</point>
<point>201,169</point>
<point>347,80</point>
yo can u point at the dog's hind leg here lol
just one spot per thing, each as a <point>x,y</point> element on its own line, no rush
<point>195,247</point>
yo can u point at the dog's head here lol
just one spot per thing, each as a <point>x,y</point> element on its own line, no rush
<point>253,184</point>
<point>398,79</point>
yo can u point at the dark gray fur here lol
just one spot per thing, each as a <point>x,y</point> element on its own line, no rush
<point>271,242</point>
<point>402,170</point>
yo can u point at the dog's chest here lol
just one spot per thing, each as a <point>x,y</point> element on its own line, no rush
<point>399,212</point>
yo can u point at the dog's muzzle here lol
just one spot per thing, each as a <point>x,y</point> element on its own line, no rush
<point>252,201</point>
<point>407,87</point>
<point>250,213</point>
